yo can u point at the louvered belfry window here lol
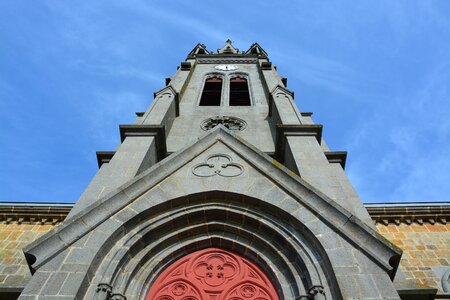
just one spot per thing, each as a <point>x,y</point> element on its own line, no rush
<point>239,93</point>
<point>212,92</point>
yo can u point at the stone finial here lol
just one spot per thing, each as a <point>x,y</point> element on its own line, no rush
<point>228,48</point>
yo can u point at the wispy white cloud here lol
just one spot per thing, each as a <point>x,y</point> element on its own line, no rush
<point>414,165</point>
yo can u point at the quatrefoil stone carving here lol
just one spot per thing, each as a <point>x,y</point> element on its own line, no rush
<point>218,164</point>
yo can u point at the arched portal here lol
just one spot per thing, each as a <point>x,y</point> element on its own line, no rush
<point>215,274</point>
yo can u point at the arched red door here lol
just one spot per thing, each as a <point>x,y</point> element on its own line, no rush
<point>212,274</point>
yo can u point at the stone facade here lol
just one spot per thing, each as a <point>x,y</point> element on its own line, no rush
<point>422,232</point>
<point>242,171</point>
<point>425,259</point>
<point>21,224</point>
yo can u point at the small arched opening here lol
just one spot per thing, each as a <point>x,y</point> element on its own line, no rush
<point>239,92</point>
<point>212,92</point>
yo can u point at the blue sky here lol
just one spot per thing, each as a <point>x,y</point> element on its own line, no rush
<point>376,74</point>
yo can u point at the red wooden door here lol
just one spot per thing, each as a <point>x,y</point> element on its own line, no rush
<point>212,274</point>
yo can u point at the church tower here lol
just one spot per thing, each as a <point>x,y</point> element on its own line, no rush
<point>220,190</point>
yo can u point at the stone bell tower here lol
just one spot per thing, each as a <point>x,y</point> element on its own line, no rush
<point>221,189</point>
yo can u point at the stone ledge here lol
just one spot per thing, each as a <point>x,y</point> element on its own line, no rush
<point>284,131</point>
<point>232,59</point>
<point>185,66</point>
<point>53,213</point>
<point>32,213</point>
<point>266,65</point>
<point>339,157</point>
<point>157,131</point>
<point>422,293</point>
<point>103,157</point>
<point>410,214</point>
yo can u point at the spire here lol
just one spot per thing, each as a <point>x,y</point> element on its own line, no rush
<point>228,48</point>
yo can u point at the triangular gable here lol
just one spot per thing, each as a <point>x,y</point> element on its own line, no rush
<point>228,48</point>
<point>282,89</point>
<point>256,49</point>
<point>326,209</point>
<point>198,49</point>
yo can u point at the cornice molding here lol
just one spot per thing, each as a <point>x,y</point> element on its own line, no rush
<point>104,157</point>
<point>396,215</point>
<point>33,214</point>
<point>227,60</point>
<point>49,213</point>
<point>339,157</point>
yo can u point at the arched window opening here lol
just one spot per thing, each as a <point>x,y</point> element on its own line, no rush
<point>239,94</point>
<point>212,92</point>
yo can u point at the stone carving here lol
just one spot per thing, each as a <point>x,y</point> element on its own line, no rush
<point>103,291</point>
<point>212,274</point>
<point>118,297</point>
<point>215,269</point>
<point>316,292</point>
<point>218,164</point>
<point>232,123</point>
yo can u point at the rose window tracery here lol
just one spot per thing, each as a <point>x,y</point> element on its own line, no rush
<point>232,123</point>
<point>212,274</point>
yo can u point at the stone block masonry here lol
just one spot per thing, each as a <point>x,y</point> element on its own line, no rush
<point>426,251</point>
<point>425,259</point>
<point>14,271</point>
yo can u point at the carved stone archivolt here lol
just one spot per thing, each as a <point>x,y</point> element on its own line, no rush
<point>218,164</point>
<point>231,123</point>
<point>212,274</point>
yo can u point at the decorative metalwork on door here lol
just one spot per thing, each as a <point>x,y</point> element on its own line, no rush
<point>212,274</point>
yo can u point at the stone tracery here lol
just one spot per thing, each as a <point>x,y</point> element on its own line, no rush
<point>212,273</point>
